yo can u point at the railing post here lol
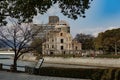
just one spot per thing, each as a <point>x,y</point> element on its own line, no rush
<point>26,69</point>
<point>1,65</point>
<point>11,67</point>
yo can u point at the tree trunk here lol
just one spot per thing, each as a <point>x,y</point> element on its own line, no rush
<point>14,66</point>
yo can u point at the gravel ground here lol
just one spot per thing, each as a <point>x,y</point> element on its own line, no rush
<point>22,76</point>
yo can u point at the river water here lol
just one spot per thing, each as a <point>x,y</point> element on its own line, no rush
<point>9,61</point>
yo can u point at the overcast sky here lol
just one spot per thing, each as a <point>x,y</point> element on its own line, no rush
<point>101,16</point>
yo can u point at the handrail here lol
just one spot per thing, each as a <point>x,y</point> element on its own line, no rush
<point>27,69</point>
<point>10,65</point>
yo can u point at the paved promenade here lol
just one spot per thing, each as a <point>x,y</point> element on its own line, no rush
<point>22,76</point>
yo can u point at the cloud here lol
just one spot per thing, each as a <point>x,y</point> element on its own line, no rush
<point>40,19</point>
<point>43,18</point>
<point>87,30</point>
<point>103,29</point>
<point>114,27</point>
<point>93,31</point>
<point>53,10</point>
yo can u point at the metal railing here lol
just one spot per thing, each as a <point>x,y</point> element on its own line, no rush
<point>10,67</point>
<point>27,69</point>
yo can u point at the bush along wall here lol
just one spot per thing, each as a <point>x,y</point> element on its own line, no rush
<point>66,72</point>
<point>111,74</point>
<point>93,74</point>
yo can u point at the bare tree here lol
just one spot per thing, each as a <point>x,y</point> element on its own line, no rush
<point>17,37</point>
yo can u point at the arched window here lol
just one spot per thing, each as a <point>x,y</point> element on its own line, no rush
<point>76,47</point>
<point>62,41</point>
<point>52,46</point>
<point>62,47</point>
<point>61,34</point>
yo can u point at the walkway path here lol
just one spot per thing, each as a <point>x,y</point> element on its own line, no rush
<point>22,76</point>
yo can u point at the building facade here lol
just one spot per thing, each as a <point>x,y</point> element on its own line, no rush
<point>60,41</point>
<point>57,38</point>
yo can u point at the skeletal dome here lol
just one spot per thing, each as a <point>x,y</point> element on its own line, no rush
<point>62,23</point>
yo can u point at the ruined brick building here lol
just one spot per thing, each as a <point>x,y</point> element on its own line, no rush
<point>58,39</point>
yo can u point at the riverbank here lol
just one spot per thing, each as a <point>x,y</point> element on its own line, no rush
<point>102,62</point>
<point>97,62</point>
<point>70,70</point>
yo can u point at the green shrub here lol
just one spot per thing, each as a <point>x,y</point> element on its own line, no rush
<point>93,74</point>
<point>97,75</point>
<point>71,72</point>
<point>111,74</point>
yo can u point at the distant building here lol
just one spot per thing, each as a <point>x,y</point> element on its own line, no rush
<point>53,24</point>
<point>60,42</point>
<point>58,39</point>
<point>57,42</point>
<point>44,29</point>
<point>53,20</point>
<point>62,25</point>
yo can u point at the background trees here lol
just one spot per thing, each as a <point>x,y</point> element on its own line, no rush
<point>86,40</point>
<point>98,41</point>
<point>25,10</point>
<point>109,41</point>
<point>37,45</point>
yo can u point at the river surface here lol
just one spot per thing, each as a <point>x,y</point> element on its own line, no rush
<point>6,60</point>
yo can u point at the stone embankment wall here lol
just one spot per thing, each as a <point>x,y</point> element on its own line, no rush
<point>105,62</point>
<point>28,57</point>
